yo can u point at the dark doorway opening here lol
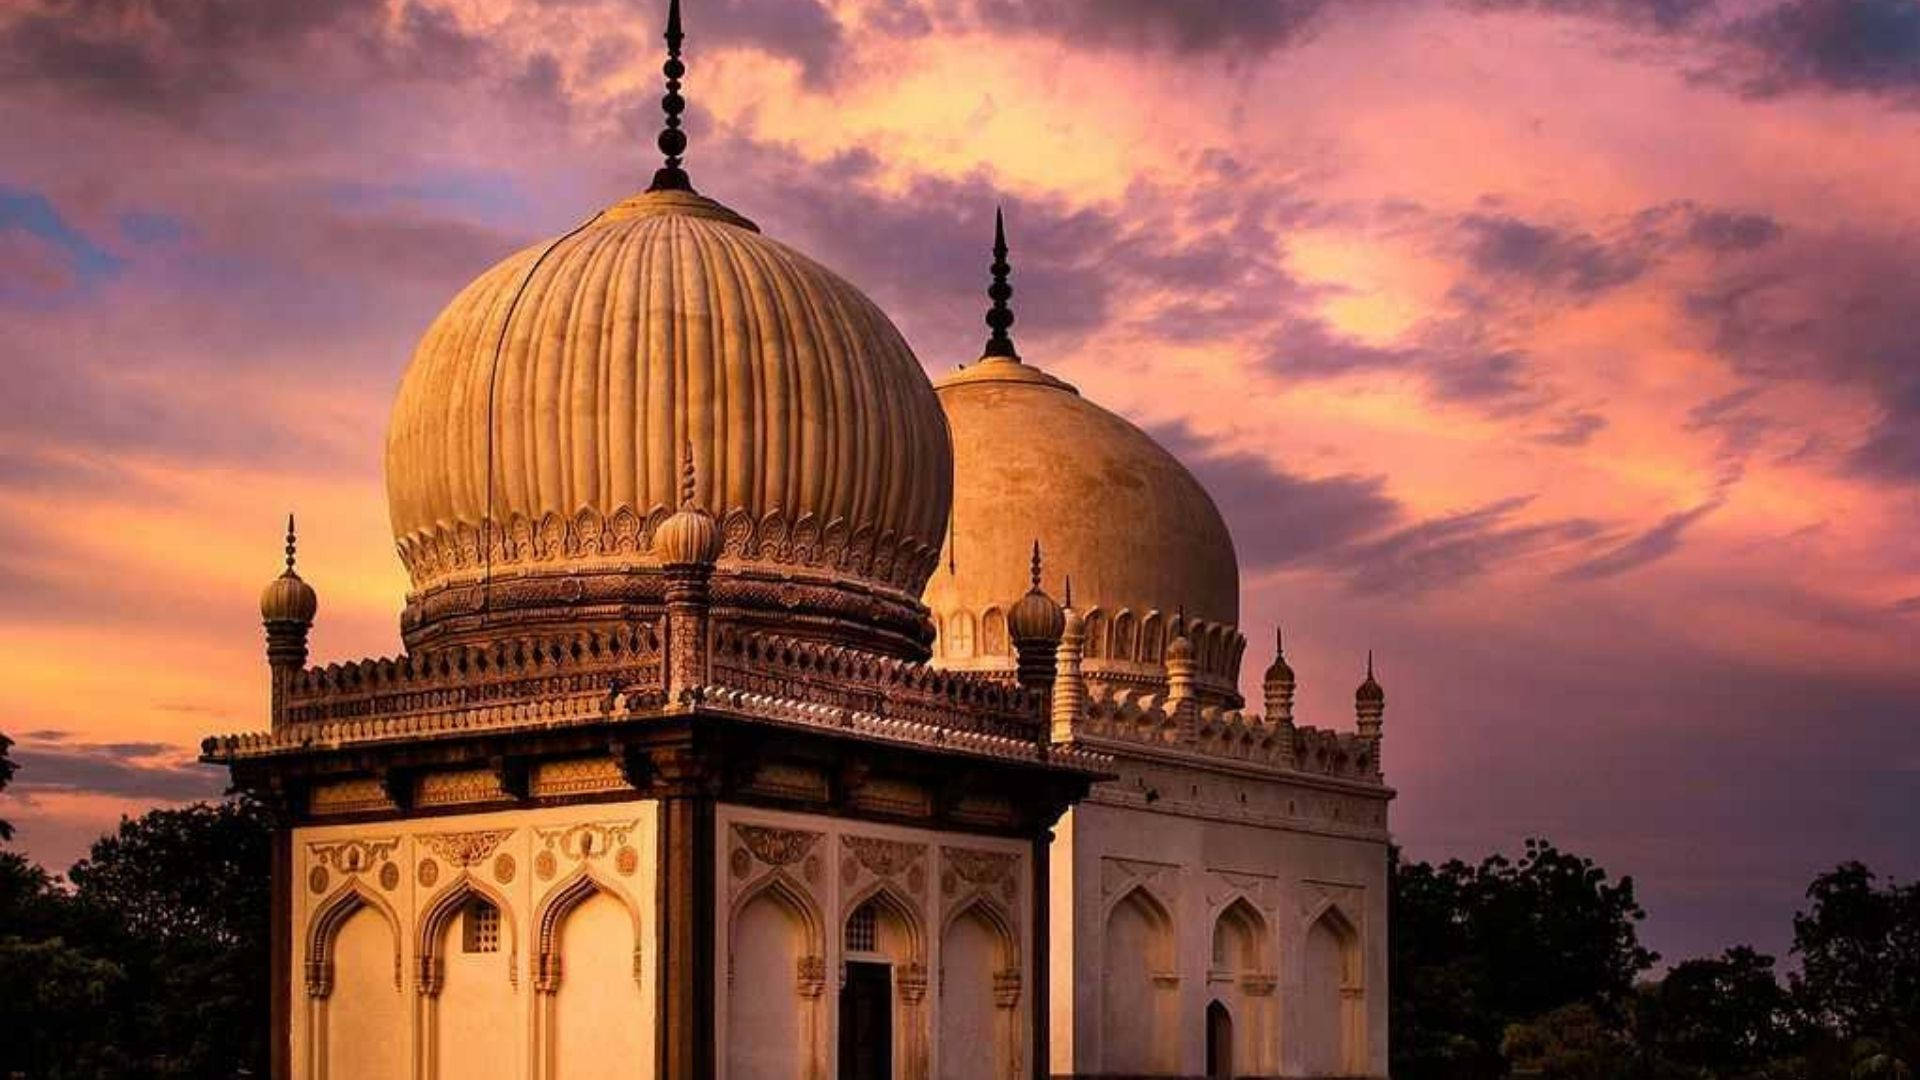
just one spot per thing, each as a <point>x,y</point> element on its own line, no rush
<point>1219,1042</point>
<point>866,1022</point>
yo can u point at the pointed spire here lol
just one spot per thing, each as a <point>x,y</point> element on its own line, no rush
<point>687,484</point>
<point>673,141</point>
<point>1068,602</point>
<point>1000,316</point>
<point>291,542</point>
<point>1036,566</point>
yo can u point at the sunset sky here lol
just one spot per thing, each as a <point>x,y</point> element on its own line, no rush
<point>1564,352</point>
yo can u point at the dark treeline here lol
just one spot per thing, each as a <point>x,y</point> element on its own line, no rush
<point>149,959</point>
<point>1534,969</point>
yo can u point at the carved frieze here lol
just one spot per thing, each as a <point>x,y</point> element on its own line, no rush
<point>776,847</point>
<point>586,840</point>
<point>353,856</point>
<point>967,870</point>
<point>464,849</point>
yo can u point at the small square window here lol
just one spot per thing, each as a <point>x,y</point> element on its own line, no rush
<point>480,928</point>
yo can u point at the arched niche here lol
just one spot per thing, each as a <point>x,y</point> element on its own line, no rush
<point>1139,988</point>
<point>900,940</point>
<point>959,641</point>
<point>593,1017</point>
<point>993,633</point>
<point>1153,634</point>
<point>979,993</point>
<point>1330,1031</point>
<point>1096,624</point>
<point>1124,628</point>
<point>357,1017</point>
<point>467,979</point>
<point>1241,977</point>
<point>776,977</point>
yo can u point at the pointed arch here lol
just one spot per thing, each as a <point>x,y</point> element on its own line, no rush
<point>780,887</point>
<point>775,932</point>
<point>979,992</point>
<point>1139,986</point>
<point>1240,939</point>
<point>890,901</point>
<point>576,889</point>
<point>1332,1027</point>
<point>324,926</point>
<point>461,891</point>
<point>993,632</point>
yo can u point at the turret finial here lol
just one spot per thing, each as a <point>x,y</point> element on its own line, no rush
<point>1000,316</point>
<point>673,141</point>
<point>1036,564</point>
<point>290,542</point>
<point>686,476</point>
<point>1069,600</point>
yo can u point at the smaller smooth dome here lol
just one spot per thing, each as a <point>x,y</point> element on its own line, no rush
<point>288,599</point>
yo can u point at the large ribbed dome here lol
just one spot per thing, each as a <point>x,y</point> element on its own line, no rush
<point>537,439</point>
<point>1033,460</point>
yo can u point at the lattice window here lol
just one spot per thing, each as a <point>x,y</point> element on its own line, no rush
<point>480,928</point>
<point>863,929</point>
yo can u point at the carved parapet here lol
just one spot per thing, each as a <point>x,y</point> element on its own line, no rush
<point>1230,734</point>
<point>794,667</point>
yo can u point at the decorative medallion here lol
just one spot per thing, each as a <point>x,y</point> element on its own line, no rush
<point>503,868</point>
<point>428,873</point>
<point>389,876</point>
<point>849,870</point>
<point>353,856</point>
<point>740,862</point>
<point>776,847</point>
<point>317,880</point>
<point>465,848</point>
<point>544,864</point>
<point>916,878</point>
<point>811,868</point>
<point>626,860</point>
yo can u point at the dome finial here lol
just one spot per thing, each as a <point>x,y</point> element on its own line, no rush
<point>673,141</point>
<point>1000,316</point>
<point>1036,564</point>
<point>291,541</point>
<point>1068,602</point>
<point>687,478</point>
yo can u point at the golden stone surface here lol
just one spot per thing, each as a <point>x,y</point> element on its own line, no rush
<point>542,422</point>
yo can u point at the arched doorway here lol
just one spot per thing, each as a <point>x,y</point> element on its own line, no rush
<point>1332,1012</point>
<point>1219,1042</point>
<point>1139,1000</point>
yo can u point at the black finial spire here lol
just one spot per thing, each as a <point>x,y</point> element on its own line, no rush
<point>1000,316</point>
<point>1036,566</point>
<point>1069,600</point>
<point>290,543</point>
<point>688,484</point>
<point>1279,642</point>
<point>673,141</point>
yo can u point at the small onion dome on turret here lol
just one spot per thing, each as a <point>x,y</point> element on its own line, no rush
<point>287,598</point>
<point>691,535</point>
<point>1180,649</point>
<point>1369,692</point>
<point>1035,617</point>
<point>1279,673</point>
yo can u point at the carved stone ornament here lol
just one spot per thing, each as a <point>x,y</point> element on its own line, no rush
<point>979,867</point>
<point>503,868</point>
<point>389,876</point>
<point>626,860</point>
<point>354,856</point>
<point>317,880</point>
<point>427,873</point>
<point>464,848</point>
<point>587,840</point>
<point>812,975</point>
<point>886,858</point>
<point>776,847</point>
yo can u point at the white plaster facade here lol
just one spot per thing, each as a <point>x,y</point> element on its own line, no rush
<point>1169,894</point>
<point>389,988</point>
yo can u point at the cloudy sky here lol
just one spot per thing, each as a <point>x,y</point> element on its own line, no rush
<point>1562,351</point>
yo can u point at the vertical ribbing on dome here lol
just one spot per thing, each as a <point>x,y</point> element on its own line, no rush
<point>673,141</point>
<point>1000,316</point>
